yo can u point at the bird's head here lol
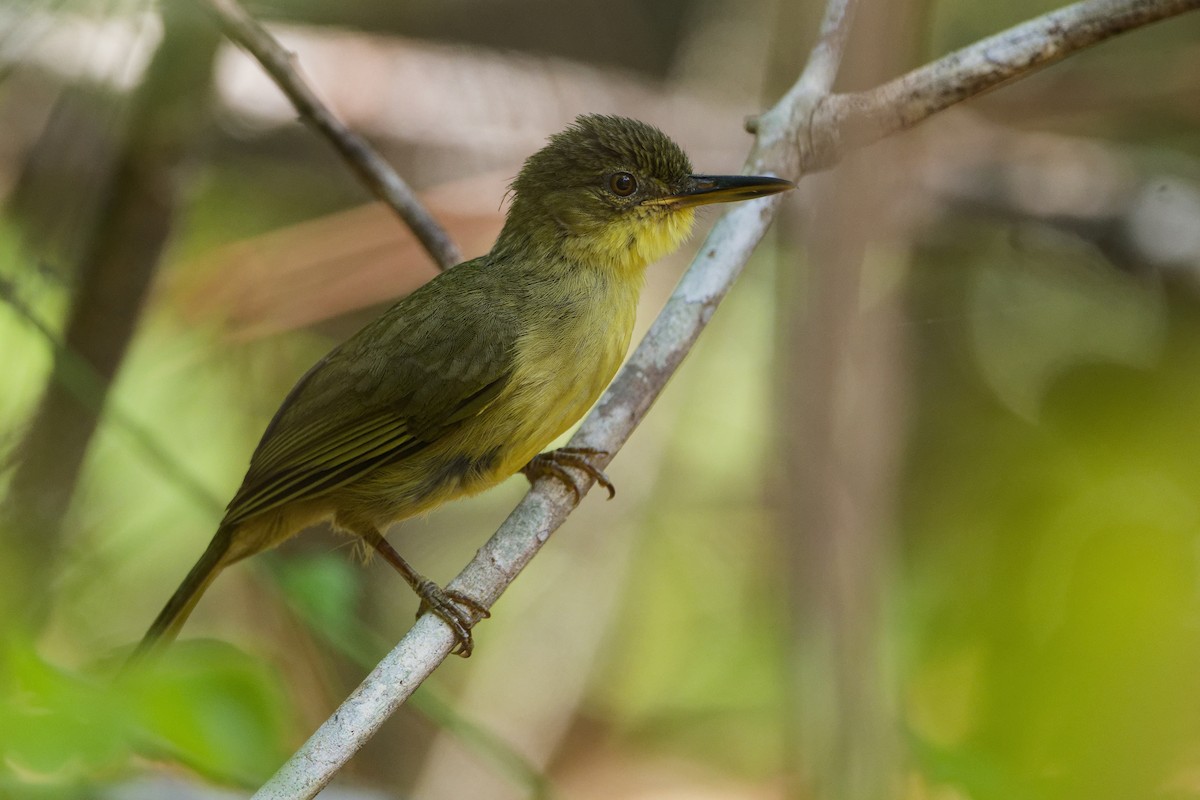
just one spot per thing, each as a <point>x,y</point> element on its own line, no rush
<point>615,193</point>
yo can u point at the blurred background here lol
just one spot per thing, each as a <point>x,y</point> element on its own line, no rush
<point>919,517</point>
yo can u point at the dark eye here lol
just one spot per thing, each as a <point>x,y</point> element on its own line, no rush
<point>622,184</point>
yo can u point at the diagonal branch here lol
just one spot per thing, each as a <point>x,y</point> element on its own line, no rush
<point>780,147</point>
<point>845,122</point>
<point>366,163</point>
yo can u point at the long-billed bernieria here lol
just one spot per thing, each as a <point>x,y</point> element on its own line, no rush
<point>463,382</point>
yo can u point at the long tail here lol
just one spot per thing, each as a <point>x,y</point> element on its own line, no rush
<point>166,626</point>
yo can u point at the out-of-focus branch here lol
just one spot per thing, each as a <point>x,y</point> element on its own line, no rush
<point>370,167</point>
<point>115,271</point>
<point>780,148</point>
<point>838,379</point>
<point>844,122</point>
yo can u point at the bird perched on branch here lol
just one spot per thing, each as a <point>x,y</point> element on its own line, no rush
<point>463,382</point>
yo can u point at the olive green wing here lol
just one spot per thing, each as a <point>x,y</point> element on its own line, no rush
<point>435,359</point>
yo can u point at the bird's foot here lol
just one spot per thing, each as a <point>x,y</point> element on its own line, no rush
<point>554,464</point>
<point>454,608</point>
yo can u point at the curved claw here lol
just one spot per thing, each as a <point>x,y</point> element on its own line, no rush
<point>455,609</point>
<point>553,464</point>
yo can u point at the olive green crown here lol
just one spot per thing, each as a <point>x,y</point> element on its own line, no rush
<point>595,144</point>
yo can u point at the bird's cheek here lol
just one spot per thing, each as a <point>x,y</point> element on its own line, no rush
<point>573,219</point>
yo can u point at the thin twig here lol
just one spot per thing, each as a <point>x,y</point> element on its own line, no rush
<point>845,122</point>
<point>370,167</point>
<point>712,273</point>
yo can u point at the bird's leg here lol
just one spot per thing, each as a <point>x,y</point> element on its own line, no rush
<point>554,463</point>
<point>447,604</point>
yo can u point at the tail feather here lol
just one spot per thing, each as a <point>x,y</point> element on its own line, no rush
<point>166,625</point>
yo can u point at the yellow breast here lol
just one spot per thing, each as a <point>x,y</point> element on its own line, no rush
<point>564,363</point>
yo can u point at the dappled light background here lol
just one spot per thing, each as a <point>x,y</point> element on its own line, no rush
<point>918,518</point>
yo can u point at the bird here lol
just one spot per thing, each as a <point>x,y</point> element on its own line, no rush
<point>464,382</point>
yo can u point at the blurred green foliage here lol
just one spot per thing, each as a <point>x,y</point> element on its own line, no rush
<point>1052,524</point>
<point>207,706</point>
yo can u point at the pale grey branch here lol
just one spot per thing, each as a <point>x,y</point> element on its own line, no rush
<point>844,122</point>
<point>826,55</point>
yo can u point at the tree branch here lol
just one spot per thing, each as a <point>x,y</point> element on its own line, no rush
<point>845,122</point>
<point>366,163</point>
<point>779,148</point>
<point>826,56</point>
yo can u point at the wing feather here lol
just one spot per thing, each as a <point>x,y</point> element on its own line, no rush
<point>388,392</point>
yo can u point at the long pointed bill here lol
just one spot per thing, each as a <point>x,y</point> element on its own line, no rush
<point>703,189</point>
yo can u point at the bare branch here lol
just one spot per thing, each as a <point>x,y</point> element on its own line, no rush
<point>781,149</point>
<point>370,167</point>
<point>848,121</point>
<point>826,56</point>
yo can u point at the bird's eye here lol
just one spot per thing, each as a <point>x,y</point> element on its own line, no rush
<point>622,184</point>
